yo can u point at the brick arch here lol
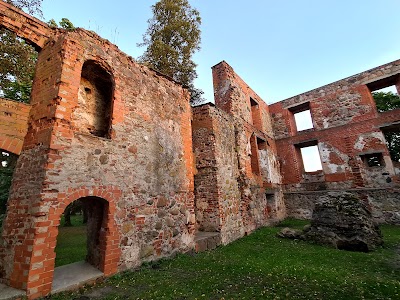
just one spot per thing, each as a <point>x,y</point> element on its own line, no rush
<point>32,30</point>
<point>39,279</point>
<point>13,124</point>
<point>111,236</point>
<point>10,144</point>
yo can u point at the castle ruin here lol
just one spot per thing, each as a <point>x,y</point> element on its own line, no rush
<point>157,174</point>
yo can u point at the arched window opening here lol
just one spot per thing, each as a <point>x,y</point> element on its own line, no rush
<point>8,163</point>
<point>93,114</point>
<point>17,67</point>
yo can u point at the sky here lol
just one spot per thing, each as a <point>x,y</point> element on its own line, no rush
<point>280,48</point>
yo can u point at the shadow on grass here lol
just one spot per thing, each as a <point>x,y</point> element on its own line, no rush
<point>262,266</point>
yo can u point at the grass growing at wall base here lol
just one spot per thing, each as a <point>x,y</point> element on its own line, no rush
<point>262,266</point>
<point>71,242</point>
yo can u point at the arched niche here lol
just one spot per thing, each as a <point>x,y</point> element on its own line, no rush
<point>93,114</point>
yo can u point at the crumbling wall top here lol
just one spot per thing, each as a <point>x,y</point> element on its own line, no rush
<point>32,30</point>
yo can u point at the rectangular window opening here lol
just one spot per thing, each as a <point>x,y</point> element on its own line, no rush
<point>302,116</point>
<point>311,158</point>
<point>386,93</point>
<point>392,139</point>
<point>255,113</point>
<point>261,144</point>
<point>373,160</point>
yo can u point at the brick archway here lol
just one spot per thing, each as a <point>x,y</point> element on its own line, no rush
<point>33,31</point>
<point>41,258</point>
<point>13,125</point>
<point>10,144</point>
<point>109,235</point>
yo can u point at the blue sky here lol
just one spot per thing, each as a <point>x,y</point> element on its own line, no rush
<point>280,48</point>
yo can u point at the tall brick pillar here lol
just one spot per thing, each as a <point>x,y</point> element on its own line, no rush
<point>30,228</point>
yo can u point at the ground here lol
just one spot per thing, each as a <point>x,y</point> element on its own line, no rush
<point>262,265</point>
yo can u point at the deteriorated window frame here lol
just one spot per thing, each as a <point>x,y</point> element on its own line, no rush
<point>307,144</point>
<point>255,114</point>
<point>391,133</point>
<point>101,90</point>
<point>299,109</point>
<point>375,86</point>
<point>256,144</point>
<point>373,160</point>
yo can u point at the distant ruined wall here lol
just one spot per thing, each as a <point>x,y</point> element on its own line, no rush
<point>384,204</point>
<point>348,130</point>
<point>237,181</point>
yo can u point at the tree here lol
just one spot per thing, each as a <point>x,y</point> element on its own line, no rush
<point>17,58</point>
<point>172,37</point>
<point>386,101</point>
<point>8,161</point>
<point>32,6</point>
<point>17,67</point>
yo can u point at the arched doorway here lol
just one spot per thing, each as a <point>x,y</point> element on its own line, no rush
<point>80,250</point>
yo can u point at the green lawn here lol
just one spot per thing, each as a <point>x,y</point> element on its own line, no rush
<point>71,242</point>
<point>262,266</point>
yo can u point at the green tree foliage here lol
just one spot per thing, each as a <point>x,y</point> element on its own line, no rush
<point>172,37</point>
<point>7,166</point>
<point>17,67</point>
<point>386,101</point>
<point>31,6</point>
<point>17,58</point>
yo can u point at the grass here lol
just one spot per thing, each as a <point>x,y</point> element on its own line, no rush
<point>71,242</point>
<point>262,266</point>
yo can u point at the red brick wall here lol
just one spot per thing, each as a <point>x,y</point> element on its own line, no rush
<point>32,30</point>
<point>346,127</point>
<point>13,125</point>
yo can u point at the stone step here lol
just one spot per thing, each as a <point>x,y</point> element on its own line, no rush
<point>9,293</point>
<point>207,240</point>
<point>72,276</point>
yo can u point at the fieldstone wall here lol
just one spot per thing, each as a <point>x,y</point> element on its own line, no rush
<point>227,201</point>
<point>237,172</point>
<point>142,168</point>
<point>383,203</point>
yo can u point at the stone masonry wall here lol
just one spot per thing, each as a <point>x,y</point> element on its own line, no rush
<point>347,130</point>
<point>143,170</point>
<point>382,202</point>
<point>236,160</point>
<point>124,139</point>
<point>259,169</point>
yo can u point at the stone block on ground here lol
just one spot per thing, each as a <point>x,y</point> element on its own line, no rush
<point>343,221</point>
